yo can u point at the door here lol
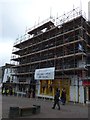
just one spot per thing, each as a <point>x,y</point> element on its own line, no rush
<point>88,93</point>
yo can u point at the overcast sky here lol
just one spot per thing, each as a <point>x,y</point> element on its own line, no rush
<point>17,15</point>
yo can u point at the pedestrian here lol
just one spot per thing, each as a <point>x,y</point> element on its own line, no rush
<point>63,96</point>
<point>56,99</point>
<point>6,91</point>
<point>10,90</point>
<point>29,93</point>
<point>13,92</point>
<point>26,92</point>
<point>3,91</point>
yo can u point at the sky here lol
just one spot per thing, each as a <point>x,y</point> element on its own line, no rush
<point>18,15</point>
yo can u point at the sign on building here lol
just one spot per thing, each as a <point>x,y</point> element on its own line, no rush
<point>45,74</point>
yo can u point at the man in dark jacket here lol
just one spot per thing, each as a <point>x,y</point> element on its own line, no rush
<point>63,96</point>
<point>56,100</point>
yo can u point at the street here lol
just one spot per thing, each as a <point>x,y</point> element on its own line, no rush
<point>70,110</point>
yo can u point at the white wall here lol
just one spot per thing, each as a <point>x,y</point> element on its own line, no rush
<point>81,64</point>
<point>73,93</point>
<point>0,80</point>
<point>38,87</point>
<point>15,80</point>
<point>6,74</point>
<point>74,90</point>
<point>81,94</point>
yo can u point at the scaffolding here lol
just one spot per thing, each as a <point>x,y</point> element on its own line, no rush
<point>62,43</point>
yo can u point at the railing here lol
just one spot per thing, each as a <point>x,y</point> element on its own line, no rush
<point>58,21</point>
<point>70,15</point>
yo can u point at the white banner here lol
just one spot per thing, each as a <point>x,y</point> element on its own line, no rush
<point>45,74</point>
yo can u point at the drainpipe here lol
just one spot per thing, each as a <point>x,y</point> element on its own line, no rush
<point>78,88</point>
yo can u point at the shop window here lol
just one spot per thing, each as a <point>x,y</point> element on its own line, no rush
<point>43,89</point>
<point>50,87</point>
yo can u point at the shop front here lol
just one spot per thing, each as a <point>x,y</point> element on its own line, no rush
<point>48,87</point>
<point>86,85</point>
<point>48,83</point>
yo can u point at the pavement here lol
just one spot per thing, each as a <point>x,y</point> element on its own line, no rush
<point>70,110</point>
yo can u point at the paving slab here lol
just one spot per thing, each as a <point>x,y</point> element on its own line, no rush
<point>70,110</point>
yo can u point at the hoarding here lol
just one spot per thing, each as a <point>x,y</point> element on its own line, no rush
<point>45,74</point>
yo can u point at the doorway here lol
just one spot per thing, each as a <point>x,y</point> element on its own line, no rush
<point>88,93</point>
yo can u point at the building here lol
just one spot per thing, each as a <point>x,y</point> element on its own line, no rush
<point>89,11</point>
<point>0,79</point>
<point>0,74</point>
<point>5,76</point>
<point>7,70</point>
<point>55,54</point>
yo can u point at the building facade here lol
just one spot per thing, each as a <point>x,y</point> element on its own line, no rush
<point>89,11</point>
<point>5,76</point>
<point>55,54</point>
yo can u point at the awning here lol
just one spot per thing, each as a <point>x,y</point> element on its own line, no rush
<point>86,83</point>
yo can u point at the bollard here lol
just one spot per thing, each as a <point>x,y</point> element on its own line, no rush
<point>37,110</point>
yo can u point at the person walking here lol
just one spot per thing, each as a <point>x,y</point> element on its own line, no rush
<point>3,92</point>
<point>29,93</point>
<point>63,96</point>
<point>56,99</point>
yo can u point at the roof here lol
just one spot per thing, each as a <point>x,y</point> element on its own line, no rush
<point>45,25</point>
